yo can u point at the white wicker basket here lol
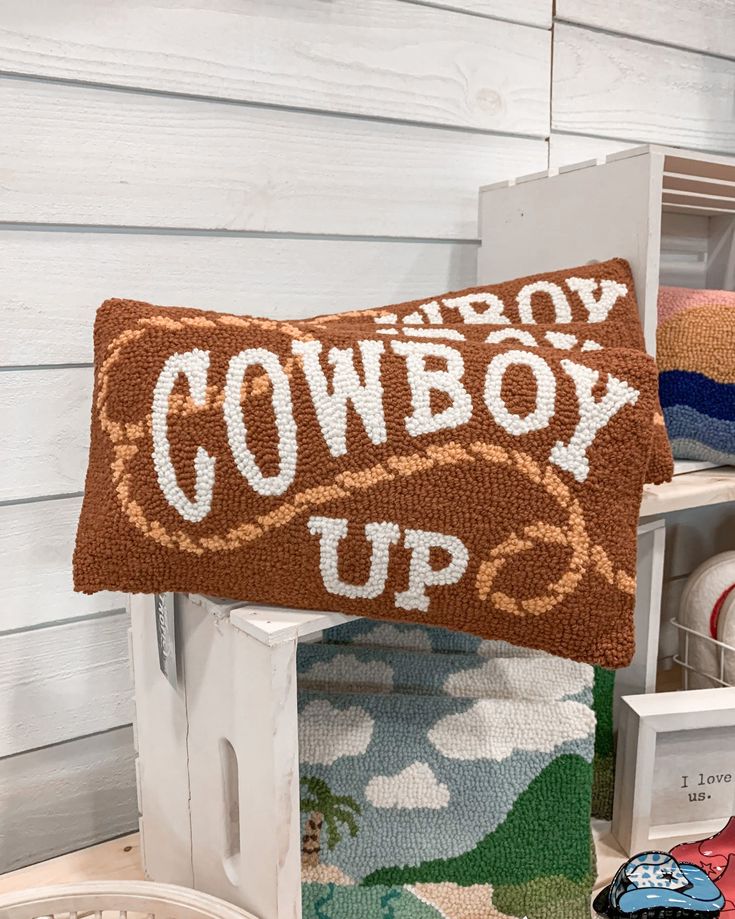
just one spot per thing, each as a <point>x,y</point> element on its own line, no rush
<point>116,900</point>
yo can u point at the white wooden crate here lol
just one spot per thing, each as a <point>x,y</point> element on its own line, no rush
<point>669,212</point>
<point>217,757</point>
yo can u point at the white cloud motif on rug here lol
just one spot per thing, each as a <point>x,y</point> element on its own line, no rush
<point>494,729</point>
<point>543,677</point>
<point>414,788</point>
<point>493,647</point>
<point>347,669</point>
<point>390,637</point>
<point>327,733</point>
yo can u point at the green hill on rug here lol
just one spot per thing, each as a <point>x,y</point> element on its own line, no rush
<point>535,815</point>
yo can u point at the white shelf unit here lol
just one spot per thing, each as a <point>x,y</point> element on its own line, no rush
<point>669,212</point>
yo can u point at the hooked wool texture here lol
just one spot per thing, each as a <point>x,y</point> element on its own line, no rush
<point>473,486</point>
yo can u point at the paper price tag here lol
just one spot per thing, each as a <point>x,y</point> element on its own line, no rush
<point>166,635</point>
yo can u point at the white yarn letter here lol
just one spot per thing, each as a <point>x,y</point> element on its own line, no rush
<point>494,312</point>
<point>332,530</point>
<point>521,335</point>
<point>331,408</point>
<point>593,416</point>
<point>562,309</point>
<point>545,392</point>
<point>194,365</point>
<point>282,410</point>
<point>597,309</point>
<point>421,574</point>
<point>423,381</point>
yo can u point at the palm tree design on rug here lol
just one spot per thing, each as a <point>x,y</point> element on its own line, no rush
<point>326,811</point>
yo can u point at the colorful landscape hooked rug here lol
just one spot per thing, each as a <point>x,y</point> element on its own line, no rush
<point>469,804</point>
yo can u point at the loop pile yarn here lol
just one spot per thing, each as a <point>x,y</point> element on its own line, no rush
<point>488,487</point>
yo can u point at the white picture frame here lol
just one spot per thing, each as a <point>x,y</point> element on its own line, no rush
<point>675,769</point>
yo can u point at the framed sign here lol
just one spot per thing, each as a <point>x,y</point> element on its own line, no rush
<point>675,772</point>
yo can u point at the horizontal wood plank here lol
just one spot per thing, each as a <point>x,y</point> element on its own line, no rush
<point>54,280</point>
<point>63,681</point>
<point>532,12</point>
<point>36,544</point>
<point>567,149</point>
<point>703,25</point>
<point>43,450</point>
<point>623,88</point>
<point>121,158</point>
<point>65,797</point>
<point>384,58</point>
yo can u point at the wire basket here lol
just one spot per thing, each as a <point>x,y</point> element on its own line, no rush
<point>116,900</point>
<point>698,647</point>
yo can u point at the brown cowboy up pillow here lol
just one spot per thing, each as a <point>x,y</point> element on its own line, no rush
<point>584,308</point>
<point>435,482</point>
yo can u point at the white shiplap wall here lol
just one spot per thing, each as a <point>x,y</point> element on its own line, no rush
<point>279,159</point>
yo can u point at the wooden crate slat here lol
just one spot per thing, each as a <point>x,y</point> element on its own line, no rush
<point>698,184</point>
<point>702,167</point>
<point>692,199</point>
<point>705,210</point>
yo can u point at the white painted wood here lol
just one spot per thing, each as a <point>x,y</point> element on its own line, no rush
<point>640,675</point>
<point>694,535</point>
<point>54,280</point>
<point>62,682</point>
<point>243,764</point>
<point>122,158</point>
<point>271,625</point>
<point>623,88</point>
<point>643,719</point>
<point>384,58</point>
<point>720,273</point>
<point>696,489</point>
<point>591,213</point>
<point>66,797</point>
<point>162,765</point>
<point>703,25</point>
<point>532,12</point>
<point>43,450</point>
<point>684,466</point>
<point>566,149</point>
<point>36,543</point>
<point>671,598</point>
<point>684,252</point>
